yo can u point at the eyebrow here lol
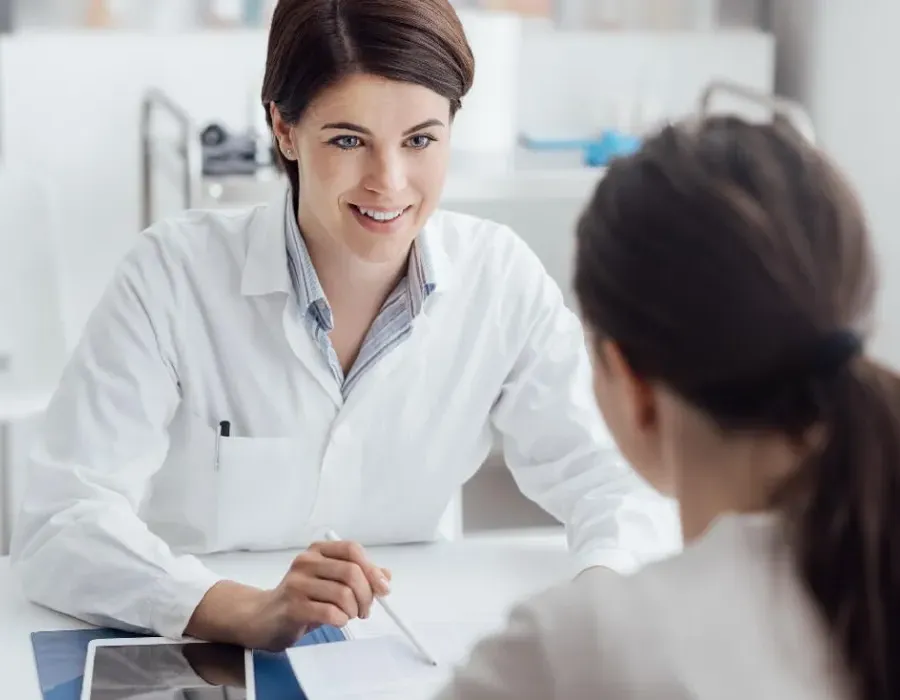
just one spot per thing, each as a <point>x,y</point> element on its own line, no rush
<point>348,126</point>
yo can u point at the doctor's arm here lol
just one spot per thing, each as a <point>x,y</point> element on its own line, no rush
<point>79,546</point>
<point>557,446</point>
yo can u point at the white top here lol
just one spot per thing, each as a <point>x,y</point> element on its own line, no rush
<point>728,618</point>
<point>200,324</point>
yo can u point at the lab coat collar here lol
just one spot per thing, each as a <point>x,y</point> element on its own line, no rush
<point>266,267</point>
<point>439,268</point>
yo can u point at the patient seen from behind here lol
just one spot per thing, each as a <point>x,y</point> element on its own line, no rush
<point>726,277</point>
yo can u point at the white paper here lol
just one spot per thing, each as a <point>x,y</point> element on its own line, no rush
<point>382,667</point>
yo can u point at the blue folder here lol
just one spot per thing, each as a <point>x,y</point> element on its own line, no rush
<point>60,656</point>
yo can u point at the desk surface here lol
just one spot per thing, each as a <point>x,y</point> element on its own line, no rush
<point>477,576</point>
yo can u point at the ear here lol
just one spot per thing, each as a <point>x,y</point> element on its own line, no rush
<point>283,133</point>
<point>638,392</point>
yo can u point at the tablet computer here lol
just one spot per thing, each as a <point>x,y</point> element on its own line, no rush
<point>126,669</point>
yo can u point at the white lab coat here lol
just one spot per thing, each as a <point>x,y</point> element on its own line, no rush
<point>200,324</point>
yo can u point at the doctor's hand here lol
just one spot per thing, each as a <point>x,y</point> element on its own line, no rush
<point>329,584</point>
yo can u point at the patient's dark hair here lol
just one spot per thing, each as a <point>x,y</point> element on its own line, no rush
<point>732,262</point>
<point>315,43</point>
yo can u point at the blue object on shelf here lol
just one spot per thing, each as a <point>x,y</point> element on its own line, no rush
<point>613,144</point>
<point>596,153</point>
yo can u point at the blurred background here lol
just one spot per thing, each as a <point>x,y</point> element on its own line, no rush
<point>115,113</point>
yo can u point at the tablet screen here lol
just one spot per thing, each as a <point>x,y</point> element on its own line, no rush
<point>195,671</point>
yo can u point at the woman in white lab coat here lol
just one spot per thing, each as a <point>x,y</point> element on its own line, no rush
<point>336,359</point>
<point>726,277</point>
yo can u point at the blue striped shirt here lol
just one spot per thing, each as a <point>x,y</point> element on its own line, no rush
<point>391,326</point>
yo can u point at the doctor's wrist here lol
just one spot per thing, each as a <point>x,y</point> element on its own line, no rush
<point>228,614</point>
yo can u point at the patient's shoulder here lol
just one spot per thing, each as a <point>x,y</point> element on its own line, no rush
<point>674,621</point>
<point>598,634</point>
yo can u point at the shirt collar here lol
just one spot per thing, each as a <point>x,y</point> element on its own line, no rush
<point>310,295</point>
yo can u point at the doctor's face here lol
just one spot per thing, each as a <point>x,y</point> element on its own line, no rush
<point>372,156</point>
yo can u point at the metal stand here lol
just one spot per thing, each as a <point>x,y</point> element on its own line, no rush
<point>188,149</point>
<point>782,108</point>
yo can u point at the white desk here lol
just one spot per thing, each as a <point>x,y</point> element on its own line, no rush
<point>476,576</point>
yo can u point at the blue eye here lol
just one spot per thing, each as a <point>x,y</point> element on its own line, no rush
<point>420,141</point>
<point>347,143</point>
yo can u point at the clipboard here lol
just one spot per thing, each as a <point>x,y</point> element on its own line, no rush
<point>60,656</point>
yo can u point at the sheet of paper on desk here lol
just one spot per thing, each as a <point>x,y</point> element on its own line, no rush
<point>383,668</point>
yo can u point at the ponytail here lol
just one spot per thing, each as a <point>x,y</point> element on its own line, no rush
<point>847,528</point>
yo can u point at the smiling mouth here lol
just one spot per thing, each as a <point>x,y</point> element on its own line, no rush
<point>380,215</point>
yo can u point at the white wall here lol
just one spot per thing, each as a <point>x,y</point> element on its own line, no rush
<point>70,109</point>
<point>666,73</point>
<point>839,58</point>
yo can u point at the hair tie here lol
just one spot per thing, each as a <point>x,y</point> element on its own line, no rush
<point>836,350</point>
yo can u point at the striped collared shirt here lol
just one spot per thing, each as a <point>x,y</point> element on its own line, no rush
<point>394,321</point>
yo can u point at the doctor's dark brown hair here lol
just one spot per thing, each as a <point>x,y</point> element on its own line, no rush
<point>732,263</point>
<point>315,43</point>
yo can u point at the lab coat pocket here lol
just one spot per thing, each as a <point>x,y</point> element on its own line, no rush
<point>266,491</point>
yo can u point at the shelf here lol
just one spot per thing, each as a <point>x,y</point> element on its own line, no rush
<point>574,184</point>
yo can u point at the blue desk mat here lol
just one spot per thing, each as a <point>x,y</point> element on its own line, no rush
<point>60,656</point>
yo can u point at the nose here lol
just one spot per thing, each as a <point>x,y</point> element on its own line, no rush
<point>387,173</point>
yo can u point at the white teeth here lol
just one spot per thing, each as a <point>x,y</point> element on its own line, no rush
<point>381,215</point>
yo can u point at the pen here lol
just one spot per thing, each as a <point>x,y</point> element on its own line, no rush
<point>224,431</point>
<point>333,537</point>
